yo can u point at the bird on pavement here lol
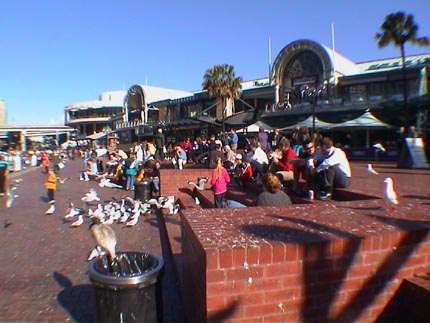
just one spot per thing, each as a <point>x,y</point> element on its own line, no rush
<point>197,201</point>
<point>105,237</point>
<point>390,195</point>
<point>50,210</point>
<point>90,196</point>
<point>106,182</point>
<point>78,222</point>
<point>200,183</point>
<point>371,170</point>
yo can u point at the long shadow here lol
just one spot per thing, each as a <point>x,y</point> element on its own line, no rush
<point>322,286</point>
<point>78,301</point>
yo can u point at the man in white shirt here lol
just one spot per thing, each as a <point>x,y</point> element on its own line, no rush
<point>259,160</point>
<point>332,169</point>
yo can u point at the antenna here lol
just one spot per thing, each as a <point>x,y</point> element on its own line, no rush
<point>333,48</point>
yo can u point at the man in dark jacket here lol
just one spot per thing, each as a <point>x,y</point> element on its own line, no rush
<point>160,144</point>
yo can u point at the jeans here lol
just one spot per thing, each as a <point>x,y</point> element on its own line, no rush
<point>229,204</point>
<point>130,182</point>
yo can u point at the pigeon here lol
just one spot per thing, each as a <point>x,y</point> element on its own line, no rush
<point>371,170</point>
<point>390,194</point>
<point>6,223</point>
<point>96,252</point>
<point>379,147</point>
<point>51,209</point>
<point>78,222</point>
<point>105,237</point>
<point>200,183</point>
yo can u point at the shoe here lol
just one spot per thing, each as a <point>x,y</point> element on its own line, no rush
<point>323,196</point>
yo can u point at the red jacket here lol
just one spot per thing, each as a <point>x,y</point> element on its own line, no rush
<point>284,163</point>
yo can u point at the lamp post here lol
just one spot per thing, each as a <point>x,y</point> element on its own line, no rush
<point>314,94</point>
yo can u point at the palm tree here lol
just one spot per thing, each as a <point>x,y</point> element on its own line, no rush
<point>220,82</point>
<point>398,29</point>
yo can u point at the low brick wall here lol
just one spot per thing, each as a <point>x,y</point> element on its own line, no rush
<point>285,265</point>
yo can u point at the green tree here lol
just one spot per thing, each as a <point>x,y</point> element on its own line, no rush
<point>220,82</point>
<point>398,29</point>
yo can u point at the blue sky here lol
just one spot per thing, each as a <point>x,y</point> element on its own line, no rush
<point>57,52</point>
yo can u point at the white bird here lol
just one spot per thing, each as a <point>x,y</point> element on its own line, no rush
<point>153,202</point>
<point>51,209</point>
<point>133,221</point>
<point>378,146</point>
<point>200,183</point>
<point>78,222</point>
<point>91,196</point>
<point>105,237</point>
<point>10,197</point>
<point>124,217</point>
<point>390,194</point>
<point>105,182</point>
<point>371,170</point>
<point>62,180</point>
<point>173,209</point>
<point>197,200</point>
<point>165,201</point>
<point>96,252</point>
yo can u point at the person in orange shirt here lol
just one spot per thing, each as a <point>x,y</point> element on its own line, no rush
<point>45,162</point>
<point>51,186</point>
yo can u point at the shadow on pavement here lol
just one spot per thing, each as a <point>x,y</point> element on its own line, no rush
<point>78,301</point>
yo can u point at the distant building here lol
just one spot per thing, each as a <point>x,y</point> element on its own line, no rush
<point>309,85</point>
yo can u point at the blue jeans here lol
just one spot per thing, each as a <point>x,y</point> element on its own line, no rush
<point>229,204</point>
<point>130,182</point>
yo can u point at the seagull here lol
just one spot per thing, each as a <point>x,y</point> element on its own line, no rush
<point>96,252</point>
<point>106,182</point>
<point>379,147</point>
<point>105,237</point>
<point>133,222</point>
<point>78,222</point>
<point>371,170</point>
<point>51,209</point>
<point>173,209</point>
<point>91,196</point>
<point>197,200</point>
<point>200,183</point>
<point>10,197</point>
<point>390,194</point>
<point>72,211</point>
<point>62,181</point>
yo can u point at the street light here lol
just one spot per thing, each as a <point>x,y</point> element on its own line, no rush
<point>314,94</point>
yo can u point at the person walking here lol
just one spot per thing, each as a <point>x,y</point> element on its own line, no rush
<point>219,181</point>
<point>51,186</point>
<point>130,171</point>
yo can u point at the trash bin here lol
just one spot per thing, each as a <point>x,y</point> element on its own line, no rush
<point>125,290</point>
<point>142,190</point>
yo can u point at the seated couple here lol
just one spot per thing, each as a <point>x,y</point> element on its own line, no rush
<point>322,170</point>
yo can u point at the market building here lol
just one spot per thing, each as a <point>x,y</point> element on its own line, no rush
<point>309,84</point>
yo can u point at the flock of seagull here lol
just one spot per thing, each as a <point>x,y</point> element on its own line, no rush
<point>125,210</point>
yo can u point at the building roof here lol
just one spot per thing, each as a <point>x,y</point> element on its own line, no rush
<point>106,99</point>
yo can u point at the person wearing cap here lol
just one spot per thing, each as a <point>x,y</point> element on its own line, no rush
<point>242,171</point>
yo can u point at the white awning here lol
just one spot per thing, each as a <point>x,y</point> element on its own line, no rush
<point>96,136</point>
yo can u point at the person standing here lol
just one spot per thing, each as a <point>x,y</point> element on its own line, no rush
<point>262,138</point>
<point>275,138</point>
<point>219,181</point>
<point>130,171</point>
<point>160,144</point>
<point>233,140</point>
<point>3,175</point>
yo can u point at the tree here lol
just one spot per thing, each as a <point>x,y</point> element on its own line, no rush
<point>220,82</point>
<point>398,29</point>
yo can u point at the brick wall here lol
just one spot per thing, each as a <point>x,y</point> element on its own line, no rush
<point>260,265</point>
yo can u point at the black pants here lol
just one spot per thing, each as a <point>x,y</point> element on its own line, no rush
<point>330,178</point>
<point>258,168</point>
<point>219,200</point>
<point>50,194</point>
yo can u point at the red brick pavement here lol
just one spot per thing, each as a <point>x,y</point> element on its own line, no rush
<point>43,272</point>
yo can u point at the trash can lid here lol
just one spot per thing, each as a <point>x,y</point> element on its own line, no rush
<point>129,269</point>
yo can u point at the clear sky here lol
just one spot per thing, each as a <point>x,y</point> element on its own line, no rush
<point>57,52</point>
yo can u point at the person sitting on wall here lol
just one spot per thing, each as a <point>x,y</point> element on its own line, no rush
<point>179,158</point>
<point>282,166</point>
<point>258,159</point>
<point>242,171</point>
<point>272,195</point>
<point>301,168</point>
<point>330,168</point>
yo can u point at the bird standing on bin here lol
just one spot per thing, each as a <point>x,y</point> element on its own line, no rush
<point>105,237</point>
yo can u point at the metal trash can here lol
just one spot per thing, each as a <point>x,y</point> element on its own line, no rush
<point>126,289</point>
<point>142,190</point>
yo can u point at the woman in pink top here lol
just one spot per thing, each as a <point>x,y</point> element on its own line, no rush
<point>219,181</point>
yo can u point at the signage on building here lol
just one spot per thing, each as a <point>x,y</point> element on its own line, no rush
<point>310,79</point>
